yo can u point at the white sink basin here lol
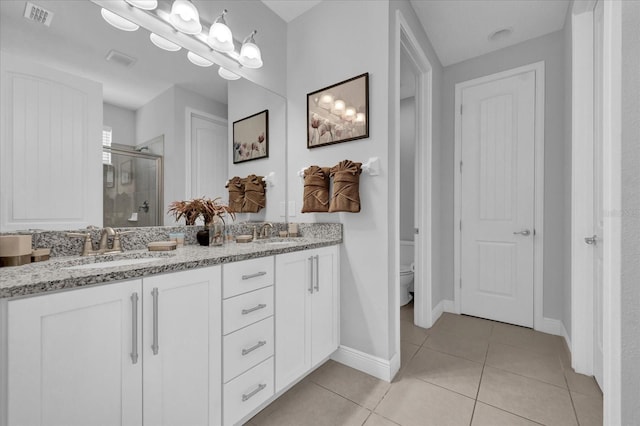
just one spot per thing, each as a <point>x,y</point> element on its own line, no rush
<point>112,263</point>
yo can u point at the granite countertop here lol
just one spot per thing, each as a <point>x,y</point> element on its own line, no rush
<point>55,274</point>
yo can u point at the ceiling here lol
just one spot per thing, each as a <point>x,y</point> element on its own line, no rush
<point>459,29</point>
<point>290,9</point>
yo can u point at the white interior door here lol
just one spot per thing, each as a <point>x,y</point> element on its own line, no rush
<point>497,199</point>
<point>598,203</point>
<point>208,157</point>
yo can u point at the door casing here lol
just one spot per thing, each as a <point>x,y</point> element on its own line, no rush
<point>539,322</point>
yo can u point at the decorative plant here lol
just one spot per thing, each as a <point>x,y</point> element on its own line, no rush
<point>191,210</point>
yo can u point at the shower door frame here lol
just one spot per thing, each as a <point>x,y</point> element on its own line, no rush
<point>159,176</point>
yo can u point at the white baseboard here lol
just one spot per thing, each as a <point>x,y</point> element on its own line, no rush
<point>555,327</point>
<point>443,306</point>
<point>377,367</point>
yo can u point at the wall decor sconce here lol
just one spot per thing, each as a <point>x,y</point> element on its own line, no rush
<point>181,27</point>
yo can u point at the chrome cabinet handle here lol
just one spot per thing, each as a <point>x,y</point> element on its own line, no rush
<point>317,286</point>
<point>257,274</point>
<point>311,274</point>
<point>246,396</point>
<point>591,240</point>
<point>248,311</point>
<point>254,347</point>
<point>524,233</point>
<point>134,328</point>
<point>154,346</point>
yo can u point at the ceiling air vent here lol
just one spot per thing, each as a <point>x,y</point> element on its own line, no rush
<point>38,14</point>
<point>120,58</point>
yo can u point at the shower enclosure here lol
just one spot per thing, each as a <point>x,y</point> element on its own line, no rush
<point>133,187</point>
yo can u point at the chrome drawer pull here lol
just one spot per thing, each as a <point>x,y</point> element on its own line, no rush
<point>257,274</point>
<point>155,347</point>
<point>311,275</point>
<point>254,347</point>
<point>134,328</point>
<point>246,396</point>
<point>248,311</point>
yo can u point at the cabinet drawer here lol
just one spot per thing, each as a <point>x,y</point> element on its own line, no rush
<point>248,275</point>
<point>247,347</point>
<point>248,391</point>
<point>245,309</point>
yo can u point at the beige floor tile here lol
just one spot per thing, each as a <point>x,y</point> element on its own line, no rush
<point>377,420</point>
<point>407,351</point>
<point>588,409</point>
<point>486,415</point>
<point>565,354</point>
<point>352,384</point>
<point>469,347</point>
<point>456,374</point>
<point>412,402</point>
<point>406,312</point>
<point>527,338</point>
<point>528,398</point>
<point>546,368</point>
<point>580,383</point>
<point>311,405</point>
<point>411,333</point>
<point>463,325</point>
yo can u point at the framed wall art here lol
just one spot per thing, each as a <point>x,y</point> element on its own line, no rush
<point>338,113</point>
<point>251,137</point>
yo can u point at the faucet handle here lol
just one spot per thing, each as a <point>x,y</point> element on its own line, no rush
<point>88,245</point>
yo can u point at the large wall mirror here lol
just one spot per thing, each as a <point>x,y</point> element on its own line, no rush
<point>167,123</point>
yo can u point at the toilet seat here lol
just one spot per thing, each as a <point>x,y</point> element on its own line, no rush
<point>406,269</point>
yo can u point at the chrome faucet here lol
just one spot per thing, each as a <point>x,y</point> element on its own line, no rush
<point>263,230</point>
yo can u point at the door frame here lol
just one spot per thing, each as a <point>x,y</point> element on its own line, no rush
<point>406,41</point>
<point>189,114</point>
<point>582,202</point>
<point>539,322</point>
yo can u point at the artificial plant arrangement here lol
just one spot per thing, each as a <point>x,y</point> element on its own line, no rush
<point>212,212</point>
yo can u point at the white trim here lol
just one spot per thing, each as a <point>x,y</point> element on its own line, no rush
<point>372,365</point>
<point>538,266</point>
<point>582,190</point>
<point>442,307</point>
<point>189,113</point>
<point>612,143</point>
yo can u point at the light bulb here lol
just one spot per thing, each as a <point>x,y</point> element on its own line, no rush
<point>220,37</point>
<point>118,21</point>
<point>163,43</point>
<point>185,18</point>
<point>250,55</point>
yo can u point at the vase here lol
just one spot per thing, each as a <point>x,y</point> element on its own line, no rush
<point>216,231</point>
<point>203,237</point>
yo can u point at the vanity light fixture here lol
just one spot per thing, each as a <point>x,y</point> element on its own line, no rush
<point>143,4</point>
<point>185,17</point>
<point>198,60</point>
<point>118,21</point>
<point>227,75</point>
<point>250,55</point>
<point>220,37</point>
<point>163,43</point>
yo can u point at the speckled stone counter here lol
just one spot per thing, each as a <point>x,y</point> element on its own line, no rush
<point>55,274</point>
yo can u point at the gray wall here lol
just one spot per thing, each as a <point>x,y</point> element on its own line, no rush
<point>407,167</point>
<point>630,212</point>
<point>122,122</point>
<point>549,48</point>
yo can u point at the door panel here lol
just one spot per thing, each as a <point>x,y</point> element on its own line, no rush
<point>208,156</point>
<point>323,306</point>
<point>497,206</point>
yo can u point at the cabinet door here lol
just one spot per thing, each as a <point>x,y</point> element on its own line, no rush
<point>324,304</point>
<point>70,357</point>
<point>181,348</point>
<point>293,358</point>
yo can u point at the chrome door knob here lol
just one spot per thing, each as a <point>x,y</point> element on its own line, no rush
<point>524,233</point>
<point>591,240</point>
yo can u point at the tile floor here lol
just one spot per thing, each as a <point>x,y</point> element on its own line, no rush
<point>462,371</point>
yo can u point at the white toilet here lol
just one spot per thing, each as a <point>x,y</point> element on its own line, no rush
<point>406,283</point>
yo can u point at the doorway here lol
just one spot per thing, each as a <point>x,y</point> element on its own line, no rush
<point>499,142</point>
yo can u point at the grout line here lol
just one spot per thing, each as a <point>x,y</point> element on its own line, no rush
<point>515,414</point>
<point>573,405</point>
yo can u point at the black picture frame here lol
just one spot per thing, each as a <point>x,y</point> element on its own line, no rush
<point>251,138</point>
<point>338,113</point>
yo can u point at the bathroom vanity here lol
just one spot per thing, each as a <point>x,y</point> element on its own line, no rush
<point>199,336</point>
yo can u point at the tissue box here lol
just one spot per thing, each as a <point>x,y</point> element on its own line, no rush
<point>15,250</point>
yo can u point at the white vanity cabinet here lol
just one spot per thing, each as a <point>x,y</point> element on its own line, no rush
<point>181,333</point>
<point>74,357</point>
<point>307,311</point>
<point>87,356</point>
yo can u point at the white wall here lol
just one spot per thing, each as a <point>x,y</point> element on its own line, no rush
<point>122,122</point>
<point>549,48</point>
<point>165,115</point>
<point>245,99</point>
<point>334,41</point>
<point>568,71</point>
<point>407,167</point>
<point>630,261</point>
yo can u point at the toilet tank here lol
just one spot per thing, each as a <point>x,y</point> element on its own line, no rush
<point>407,252</point>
